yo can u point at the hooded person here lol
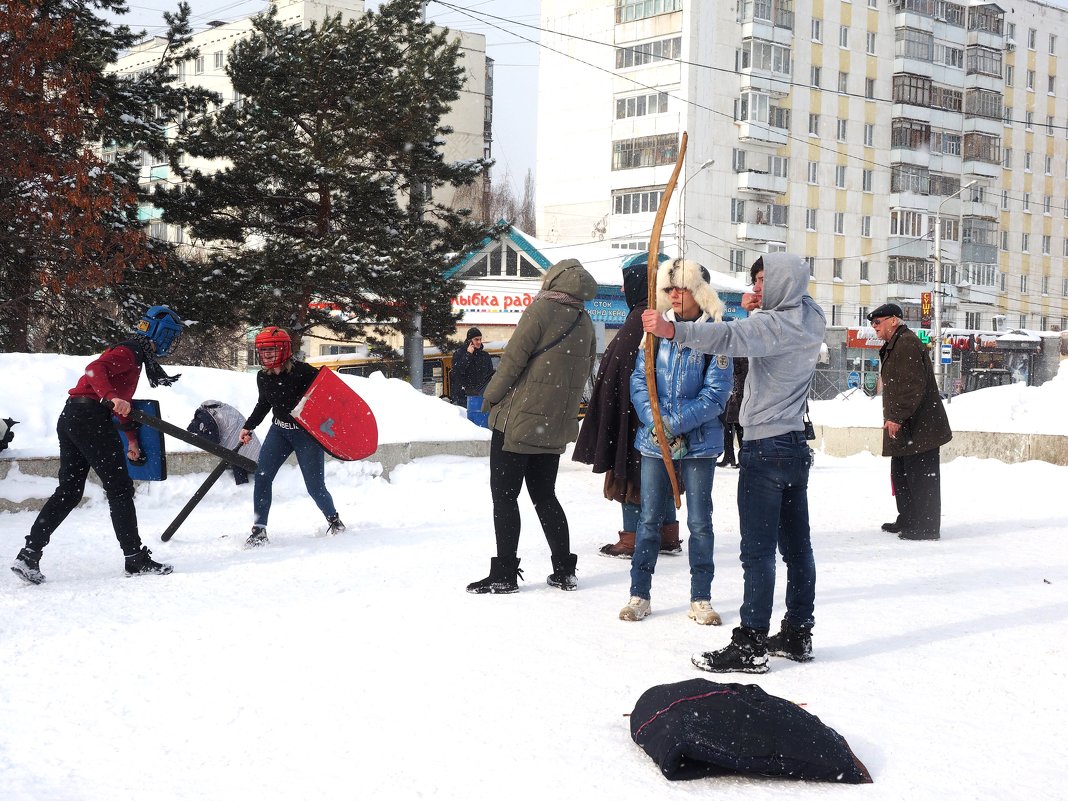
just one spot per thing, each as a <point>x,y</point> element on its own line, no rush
<point>533,402</point>
<point>692,391</point>
<point>606,438</point>
<point>783,344</point>
<point>472,368</point>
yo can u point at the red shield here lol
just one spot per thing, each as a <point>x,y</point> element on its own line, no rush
<point>338,418</point>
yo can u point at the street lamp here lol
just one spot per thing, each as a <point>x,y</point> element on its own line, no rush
<point>680,227</point>
<point>937,299</point>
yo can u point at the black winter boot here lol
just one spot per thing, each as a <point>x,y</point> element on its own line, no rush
<point>792,642</point>
<point>503,577</point>
<point>334,524</point>
<point>747,653</point>
<point>28,566</point>
<point>258,538</point>
<point>140,563</point>
<point>563,575</point>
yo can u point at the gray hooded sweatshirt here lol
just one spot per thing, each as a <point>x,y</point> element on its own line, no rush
<point>782,342</point>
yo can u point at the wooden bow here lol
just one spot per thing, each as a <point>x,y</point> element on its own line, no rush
<point>650,340</point>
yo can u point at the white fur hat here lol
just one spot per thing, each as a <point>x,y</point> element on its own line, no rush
<point>687,275</point>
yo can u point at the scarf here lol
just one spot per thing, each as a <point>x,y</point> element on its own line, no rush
<point>560,297</point>
<point>143,351</point>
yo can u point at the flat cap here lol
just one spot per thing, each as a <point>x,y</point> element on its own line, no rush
<point>886,310</point>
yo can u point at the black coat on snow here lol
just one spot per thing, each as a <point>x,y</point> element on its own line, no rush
<point>699,728</point>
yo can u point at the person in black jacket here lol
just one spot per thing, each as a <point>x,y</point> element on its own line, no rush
<point>282,383</point>
<point>472,369</point>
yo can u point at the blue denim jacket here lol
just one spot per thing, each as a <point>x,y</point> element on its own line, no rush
<point>691,398</point>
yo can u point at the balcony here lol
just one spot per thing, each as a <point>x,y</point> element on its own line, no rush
<point>761,233</point>
<point>982,168</point>
<point>761,132</point>
<point>776,84</point>
<point>763,183</point>
<point>975,208</point>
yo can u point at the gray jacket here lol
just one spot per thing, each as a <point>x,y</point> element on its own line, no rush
<point>782,343</point>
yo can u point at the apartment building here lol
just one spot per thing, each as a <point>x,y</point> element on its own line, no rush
<point>843,131</point>
<point>471,116</point>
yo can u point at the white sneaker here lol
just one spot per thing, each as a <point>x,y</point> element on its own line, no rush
<point>703,613</point>
<point>636,609</point>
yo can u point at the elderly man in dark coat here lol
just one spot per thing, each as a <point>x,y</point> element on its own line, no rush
<point>606,439</point>
<point>915,426</point>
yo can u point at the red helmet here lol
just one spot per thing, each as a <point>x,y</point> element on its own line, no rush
<point>273,346</point>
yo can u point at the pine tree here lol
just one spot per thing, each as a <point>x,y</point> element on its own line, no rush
<point>71,234</point>
<point>322,204</point>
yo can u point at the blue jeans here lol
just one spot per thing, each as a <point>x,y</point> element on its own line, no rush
<point>773,512</point>
<point>632,514</point>
<point>277,445</point>
<point>697,475</point>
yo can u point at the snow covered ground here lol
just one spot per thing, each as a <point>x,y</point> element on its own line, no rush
<point>357,667</point>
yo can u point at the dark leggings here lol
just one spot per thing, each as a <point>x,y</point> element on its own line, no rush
<point>87,439</point>
<point>508,472</point>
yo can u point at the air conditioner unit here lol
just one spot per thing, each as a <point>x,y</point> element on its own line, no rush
<point>1010,45</point>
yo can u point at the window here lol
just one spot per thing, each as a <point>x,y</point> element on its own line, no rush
<point>810,262</point>
<point>982,147</point>
<point>950,56</point>
<point>157,230</point>
<point>760,55</point>
<point>1046,244</point>
<point>864,271</point>
<point>737,210</point>
<point>839,222</point>
<point>873,4</point>
<point>1025,247</point>
<point>1030,80</point>
<point>1023,283</point>
<point>198,65</point>
<point>865,226</point>
<point>866,180</point>
<point>837,269</point>
<point>1023,320</point>
<point>869,88</point>
<point>1029,121</point>
<point>910,134</point>
<point>738,160</point>
<point>912,89</point>
<point>814,124</point>
<point>972,320</point>
<point>181,71</point>
<point>810,219</point>
<point>840,176</point>
<point>908,223</point>
<point>870,48</point>
<point>238,99</point>
<point>1027,161</point>
<point>814,76</point>
<point>641,105</point>
<point>1027,202</point>
<point>1006,115</point>
<point>179,234</point>
<point>1010,74</point>
<point>738,261</point>
<point>1032,38</point>
<point>219,59</point>
<point>627,10</point>
<point>1005,240</point>
<point>843,36</point>
<point>779,166</point>
<point>910,178</point>
<point>914,43</point>
<point>842,126</point>
<point>817,29</point>
<point>869,135</point>
<point>1051,84</point>
<point>1004,199</point>
<point>1047,205</point>
<point>645,151</point>
<point>649,52</point>
<point>640,201</point>
<point>843,82</point>
<point>1006,162</point>
<point>983,103</point>
<point>1049,125</point>
<point>1052,45</point>
<point>813,172</point>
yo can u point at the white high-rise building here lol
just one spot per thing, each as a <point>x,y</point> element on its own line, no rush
<point>837,130</point>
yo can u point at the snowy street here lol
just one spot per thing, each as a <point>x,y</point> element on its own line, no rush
<point>357,666</point>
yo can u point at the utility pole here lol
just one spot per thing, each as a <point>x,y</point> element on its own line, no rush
<point>936,323</point>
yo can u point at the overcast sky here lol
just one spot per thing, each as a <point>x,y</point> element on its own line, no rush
<point>515,61</point>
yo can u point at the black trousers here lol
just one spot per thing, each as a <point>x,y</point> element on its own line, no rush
<point>88,439</point>
<point>508,472</point>
<point>730,432</point>
<point>918,492</point>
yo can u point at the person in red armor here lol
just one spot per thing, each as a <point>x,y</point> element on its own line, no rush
<point>88,439</point>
